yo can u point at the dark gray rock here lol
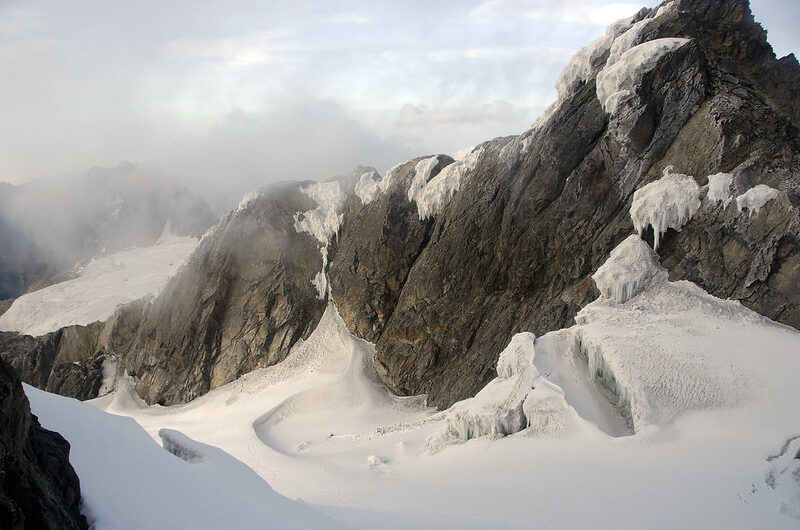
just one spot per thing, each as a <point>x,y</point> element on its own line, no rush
<point>240,303</point>
<point>5,304</point>
<point>377,245</point>
<point>38,486</point>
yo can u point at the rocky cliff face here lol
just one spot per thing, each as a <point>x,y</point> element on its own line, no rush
<point>514,248</point>
<point>240,303</point>
<point>38,487</point>
<point>440,261</point>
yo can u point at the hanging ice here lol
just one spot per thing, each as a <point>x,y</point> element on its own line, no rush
<point>323,223</point>
<point>616,82</point>
<point>666,203</point>
<point>719,188</point>
<point>434,194</point>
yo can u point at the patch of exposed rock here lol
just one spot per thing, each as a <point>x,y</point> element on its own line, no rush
<point>38,487</point>
<point>242,300</point>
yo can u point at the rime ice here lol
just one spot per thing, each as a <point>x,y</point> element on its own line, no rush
<point>666,203</point>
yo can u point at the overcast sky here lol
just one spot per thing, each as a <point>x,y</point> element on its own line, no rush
<point>230,95</point>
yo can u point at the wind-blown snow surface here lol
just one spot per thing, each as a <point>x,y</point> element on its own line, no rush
<point>128,481</point>
<point>104,284</point>
<point>664,411</point>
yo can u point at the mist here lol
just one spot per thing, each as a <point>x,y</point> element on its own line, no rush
<point>228,97</point>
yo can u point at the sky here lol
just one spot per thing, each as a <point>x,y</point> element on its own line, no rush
<point>228,96</point>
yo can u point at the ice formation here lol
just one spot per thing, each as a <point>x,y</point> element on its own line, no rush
<point>669,202</point>
<point>323,223</point>
<point>422,174</point>
<point>431,197</point>
<point>629,268</point>
<point>719,188</point>
<point>755,198</point>
<point>368,186</point>
<point>182,446</point>
<point>519,398</point>
<point>617,80</point>
<point>580,67</point>
<point>618,39</point>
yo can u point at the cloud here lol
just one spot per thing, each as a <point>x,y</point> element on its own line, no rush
<point>583,12</point>
<point>420,115</point>
<point>349,18</point>
<point>258,48</point>
<point>299,138</point>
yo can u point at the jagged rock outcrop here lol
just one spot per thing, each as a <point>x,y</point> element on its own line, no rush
<point>38,487</point>
<point>515,247</point>
<point>241,301</point>
<point>380,241</point>
<point>51,225</point>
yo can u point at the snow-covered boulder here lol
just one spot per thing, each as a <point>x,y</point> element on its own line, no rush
<point>628,270</point>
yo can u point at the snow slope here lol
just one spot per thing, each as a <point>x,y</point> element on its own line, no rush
<point>128,481</point>
<point>104,284</point>
<point>670,409</point>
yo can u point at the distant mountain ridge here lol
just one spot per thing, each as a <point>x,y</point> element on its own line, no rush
<point>51,225</point>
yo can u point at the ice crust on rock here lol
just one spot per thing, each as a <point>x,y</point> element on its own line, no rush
<point>669,202</point>
<point>580,67</point>
<point>627,271</point>
<point>422,174</point>
<point>368,186</point>
<point>433,195</point>
<point>247,199</point>
<point>755,198</point>
<point>719,188</point>
<point>323,222</point>
<point>617,81</point>
<point>618,39</point>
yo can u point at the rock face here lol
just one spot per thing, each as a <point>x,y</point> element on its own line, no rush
<point>38,487</point>
<point>48,226</point>
<point>515,247</point>
<point>242,300</point>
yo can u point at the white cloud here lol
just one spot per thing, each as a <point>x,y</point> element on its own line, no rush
<point>420,115</point>
<point>583,13</point>
<point>257,48</point>
<point>349,18</point>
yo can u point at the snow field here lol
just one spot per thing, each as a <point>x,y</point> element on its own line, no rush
<point>104,284</point>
